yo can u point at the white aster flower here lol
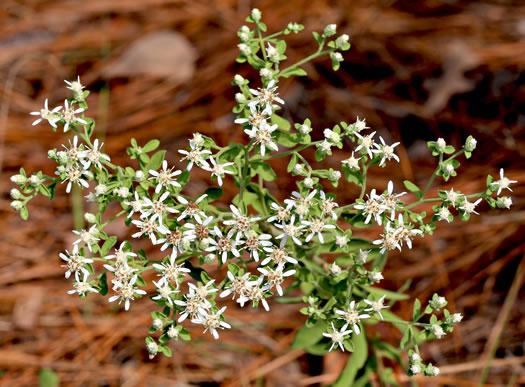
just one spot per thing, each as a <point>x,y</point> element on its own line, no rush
<point>376,306</point>
<point>241,223</point>
<point>74,152</point>
<point>360,125</point>
<point>165,177</point>
<point>255,293</point>
<point>74,175</point>
<point>76,87</point>
<point>149,227</point>
<point>255,242</point>
<point>405,233</point>
<point>302,204</point>
<point>341,241</point>
<point>362,256</point>
<point>266,97</point>
<point>195,156</point>
<point>82,286</point>
<point>192,208</point>
<point>219,170</point>
<point>317,226</point>
<point>69,116</point>
<point>165,291</point>
<point>93,156</point>
<point>156,209</point>
<point>178,240</point>
<point>352,162</point>
<point>136,205</point>
<point>171,272</point>
<point>224,244</point>
<point>443,214</point>
<point>390,199</point>
<point>279,256</point>
<point>275,276</point>
<point>88,237</point>
<point>282,213</point>
<point>126,291</point>
<point>388,241</point>
<point>200,230</point>
<point>352,316</point>
<point>503,182</point>
<point>120,255</point>
<point>211,321</point>
<point>338,337</point>
<point>328,205</point>
<point>74,262</point>
<point>290,230</point>
<point>452,197</point>
<point>45,114</point>
<point>237,286</point>
<point>469,207</point>
<point>366,143</point>
<point>263,136</point>
<point>256,117</point>
<point>386,151</point>
<point>372,208</point>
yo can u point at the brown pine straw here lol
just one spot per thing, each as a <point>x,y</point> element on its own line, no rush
<point>416,71</point>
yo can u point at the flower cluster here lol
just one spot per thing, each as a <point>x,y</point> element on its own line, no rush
<point>303,245</point>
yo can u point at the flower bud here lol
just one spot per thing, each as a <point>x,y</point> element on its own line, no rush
<point>173,332</point>
<point>266,74</point>
<point>153,349</point>
<point>244,30</point>
<point>123,192</point>
<point>341,241</point>
<point>35,181</point>
<point>298,169</point>
<point>504,202</point>
<point>52,154</point>
<point>341,41</point>
<point>325,146</point>
<point>17,205</point>
<point>139,175</point>
<point>19,179</point>
<point>256,14</point>
<point>335,269</point>
<point>15,194</point>
<point>470,144</point>
<point>238,79</point>
<point>337,56</point>
<point>438,302</point>
<point>241,99</point>
<point>209,258</point>
<point>185,243</point>
<point>454,319</point>
<point>90,218</point>
<point>441,145</point>
<point>362,257</point>
<point>304,129</point>
<point>431,370</point>
<point>415,369</point>
<point>157,323</point>
<point>437,331</point>
<point>331,135</point>
<point>101,189</point>
<point>330,30</point>
<point>334,176</point>
<point>198,140</point>
<point>244,49</point>
<point>89,175</point>
<point>205,243</point>
<point>415,357</point>
<point>375,276</point>
<point>308,182</point>
<point>448,169</point>
<point>63,157</point>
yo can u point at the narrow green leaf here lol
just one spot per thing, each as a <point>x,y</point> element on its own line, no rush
<point>413,188</point>
<point>355,362</point>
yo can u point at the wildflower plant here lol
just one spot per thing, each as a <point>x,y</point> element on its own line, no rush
<point>269,248</point>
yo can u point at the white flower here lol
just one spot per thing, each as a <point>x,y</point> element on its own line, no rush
<point>337,337</point>
<point>331,135</point>
<point>120,255</point>
<point>362,256</point>
<point>74,152</point>
<point>75,262</point>
<point>256,117</point>
<point>224,244</point>
<point>200,230</point>
<point>317,226</point>
<point>76,87</point>
<point>219,170</point>
<point>211,321</point>
<point>255,293</point>
<point>157,323</point>
<point>390,199</point>
<point>195,156</point>
<point>265,74</point>
<point>254,242</point>
<point>87,236</point>
<point>431,370</point>
<point>171,272</point>
<point>504,202</point>
<point>156,209</point>
<point>341,240</point>
<point>165,177</point>
<point>415,357</point>
<point>330,30</point>
<point>266,97</point>
<point>372,208</point>
<point>301,203</point>
<point>448,169</point>
<point>244,49</point>
<point>192,208</point>
<point>376,306</point>
<point>360,125</point>
<point>276,276</point>
<point>352,316</point>
<point>503,182</point>
<point>101,189</point>
<point>278,255</point>
<point>74,175</point>
<point>136,205</point>
<point>328,205</point>
<point>193,303</point>
<point>366,143</point>
<point>126,291</point>
<point>352,162</point>
<point>375,276</point>
<point>122,192</point>
<point>443,214</point>
<point>308,182</point>
<point>69,116</point>
<point>152,348</point>
<point>173,332</point>
<point>122,271</point>
<point>197,140</point>
<point>415,369</point>
<point>452,197</point>
<point>263,136</point>
<point>325,146</point>
<point>469,207</point>
<point>290,230</point>
<point>470,144</point>
<point>405,234</point>
<point>387,151</point>
<point>237,286</point>
<point>139,175</point>
<point>82,286</point>
<point>389,240</point>
<point>282,213</point>
<point>241,223</point>
<point>273,54</point>
<point>93,156</point>
<point>165,291</point>
<point>149,227</point>
<point>46,114</point>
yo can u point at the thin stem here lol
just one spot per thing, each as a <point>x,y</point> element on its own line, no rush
<point>288,152</point>
<point>261,42</point>
<point>363,187</point>
<point>261,194</point>
<point>247,149</point>
<point>273,35</point>
<point>112,219</point>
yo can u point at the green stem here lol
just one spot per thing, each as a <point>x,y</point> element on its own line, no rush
<point>244,173</point>
<point>307,59</point>
<point>273,35</point>
<point>112,219</point>
<point>261,194</point>
<point>261,43</point>
<point>288,152</point>
<point>363,187</point>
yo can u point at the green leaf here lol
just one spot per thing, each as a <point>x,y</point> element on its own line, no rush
<point>213,193</point>
<point>151,146</point>
<point>103,284</point>
<point>156,160</point>
<point>48,378</point>
<point>104,250</point>
<point>24,213</point>
<point>417,309</point>
<point>165,350</point>
<point>390,295</point>
<point>413,188</point>
<point>264,170</point>
<point>292,163</point>
<point>308,336</point>
<point>297,71</point>
<point>281,122</point>
<point>355,362</point>
<point>317,37</point>
<point>407,338</point>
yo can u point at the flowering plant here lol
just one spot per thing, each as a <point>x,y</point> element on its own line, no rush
<point>304,245</point>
